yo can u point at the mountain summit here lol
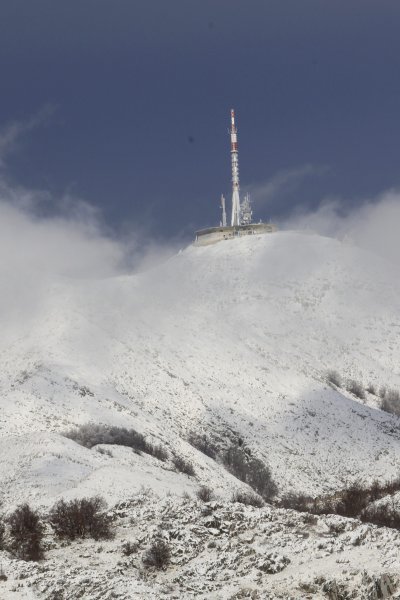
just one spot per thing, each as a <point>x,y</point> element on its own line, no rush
<point>228,342</point>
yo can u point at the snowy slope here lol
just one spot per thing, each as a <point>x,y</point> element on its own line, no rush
<point>231,339</point>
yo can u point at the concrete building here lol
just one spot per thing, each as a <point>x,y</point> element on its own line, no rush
<point>212,235</point>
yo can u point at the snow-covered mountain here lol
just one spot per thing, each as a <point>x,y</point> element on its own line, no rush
<point>232,341</point>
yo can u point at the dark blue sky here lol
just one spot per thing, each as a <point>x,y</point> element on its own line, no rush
<point>142,90</point>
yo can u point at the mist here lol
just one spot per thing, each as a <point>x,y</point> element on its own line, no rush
<point>40,249</point>
<point>372,226</point>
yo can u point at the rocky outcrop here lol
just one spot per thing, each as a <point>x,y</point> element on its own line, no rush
<point>219,549</point>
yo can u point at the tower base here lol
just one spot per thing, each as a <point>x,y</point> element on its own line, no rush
<point>212,235</point>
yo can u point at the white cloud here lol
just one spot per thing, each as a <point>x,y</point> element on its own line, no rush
<point>11,133</point>
<point>373,225</point>
<point>283,182</point>
<point>39,252</point>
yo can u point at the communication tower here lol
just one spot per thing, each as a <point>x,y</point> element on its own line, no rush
<point>242,215</point>
<point>235,173</point>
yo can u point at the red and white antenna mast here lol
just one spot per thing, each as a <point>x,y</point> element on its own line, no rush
<point>235,172</point>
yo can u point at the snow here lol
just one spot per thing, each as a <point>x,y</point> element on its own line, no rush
<point>236,336</point>
<point>220,551</point>
<point>232,341</point>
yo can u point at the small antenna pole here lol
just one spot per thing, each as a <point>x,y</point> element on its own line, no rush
<point>223,222</point>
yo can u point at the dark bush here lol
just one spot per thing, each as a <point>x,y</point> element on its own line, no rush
<point>2,534</point>
<point>324,506</point>
<point>183,466</point>
<point>104,452</point>
<point>56,594</point>
<point>205,494</point>
<point>81,518</point>
<point>240,462</point>
<point>90,435</point>
<point>202,443</point>
<point>390,487</point>
<point>353,500</point>
<point>355,388</point>
<point>371,389</point>
<point>299,502</point>
<point>375,491</point>
<point>334,378</point>
<point>129,548</point>
<point>384,515</point>
<point>248,498</point>
<point>26,533</point>
<point>157,451</point>
<point>391,402</point>
<point>158,555</point>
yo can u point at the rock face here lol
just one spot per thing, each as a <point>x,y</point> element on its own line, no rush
<point>273,563</point>
<point>219,550</point>
<point>371,587</point>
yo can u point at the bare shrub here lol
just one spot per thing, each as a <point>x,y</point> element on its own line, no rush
<point>81,518</point>
<point>129,548</point>
<point>391,402</point>
<point>248,498</point>
<point>375,491</point>
<point>158,555</point>
<point>390,487</point>
<point>104,452</point>
<point>371,389</point>
<point>90,435</point>
<point>202,443</point>
<point>2,534</point>
<point>334,378</point>
<point>324,506</point>
<point>353,500</point>
<point>183,466</point>
<point>26,533</point>
<point>251,470</point>
<point>205,494</point>
<point>384,515</point>
<point>157,451</point>
<point>3,576</point>
<point>299,502</point>
<point>355,388</point>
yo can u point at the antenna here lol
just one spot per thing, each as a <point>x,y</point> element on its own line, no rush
<point>235,173</point>
<point>223,222</point>
<point>246,212</point>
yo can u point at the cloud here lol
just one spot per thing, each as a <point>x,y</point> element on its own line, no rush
<point>12,132</point>
<point>42,251</point>
<point>282,183</point>
<point>373,225</point>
